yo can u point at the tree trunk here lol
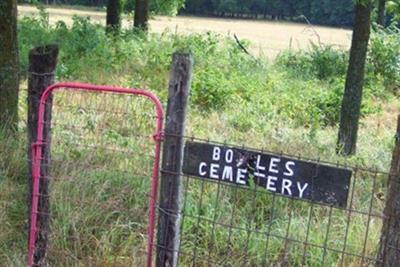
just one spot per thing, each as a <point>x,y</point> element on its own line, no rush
<point>9,65</point>
<point>113,20</point>
<point>141,14</point>
<point>381,12</point>
<point>389,253</point>
<point>351,103</point>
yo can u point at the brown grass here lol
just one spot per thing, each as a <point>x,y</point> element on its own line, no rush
<point>267,37</point>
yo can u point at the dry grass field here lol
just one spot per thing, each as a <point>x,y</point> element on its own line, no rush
<point>267,38</point>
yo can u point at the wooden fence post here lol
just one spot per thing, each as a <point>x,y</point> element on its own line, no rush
<point>170,188</point>
<point>42,64</point>
<point>389,251</point>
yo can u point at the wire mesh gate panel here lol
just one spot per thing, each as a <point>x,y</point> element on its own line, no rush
<point>102,176</point>
<point>223,224</point>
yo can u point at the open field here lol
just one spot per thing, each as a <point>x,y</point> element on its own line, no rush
<point>267,37</point>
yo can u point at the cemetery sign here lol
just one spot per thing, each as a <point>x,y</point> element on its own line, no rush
<point>281,175</point>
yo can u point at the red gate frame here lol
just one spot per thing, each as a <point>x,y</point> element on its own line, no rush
<point>37,155</point>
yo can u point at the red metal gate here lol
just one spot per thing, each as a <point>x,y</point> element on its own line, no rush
<point>37,151</point>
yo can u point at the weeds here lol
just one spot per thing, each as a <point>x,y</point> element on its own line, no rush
<point>291,106</point>
<point>384,56</point>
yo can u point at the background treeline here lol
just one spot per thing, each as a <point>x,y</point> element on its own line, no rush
<point>95,3</point>
<point>338,12</point>
<point>327,12</point>
<point>162,7</point>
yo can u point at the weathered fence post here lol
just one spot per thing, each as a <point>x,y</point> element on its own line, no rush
<point>170,188</point>
<point>389,252</point>
<point>42,64</point>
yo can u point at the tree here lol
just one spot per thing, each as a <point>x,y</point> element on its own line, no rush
<point>141,14</point>
<point>113,20</point>
<point>351,103</point>
<point>381,12</point>
<point>390,236</point>
<point>9,64</point>
<point>338,12</point>
<point>166,7</point>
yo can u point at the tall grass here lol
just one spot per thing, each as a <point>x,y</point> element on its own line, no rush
<point>100,205</point>
<point>13,198</point>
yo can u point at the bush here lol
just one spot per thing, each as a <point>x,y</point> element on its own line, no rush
<point>326,62</point>
<point>222,71</point>
<point>321,62</point>
<point>327,105</point>
<point>384,55</point>
<point>328,66</point>
<point>304,87</point>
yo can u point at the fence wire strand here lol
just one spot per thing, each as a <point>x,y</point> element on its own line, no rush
<point>102,154</point>
<point>100,169</point>
<point>229,225</point>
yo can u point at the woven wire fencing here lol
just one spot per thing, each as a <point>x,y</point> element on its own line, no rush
<point>223,224</point>
<point>102,151</point>
<point>99,177</point>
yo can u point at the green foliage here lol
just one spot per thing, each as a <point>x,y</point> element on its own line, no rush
<point>11,154</point>
<point>166,7</point>
<point>159,7</point>
<point>13,209</point>
<point>163,7</point>
<point>86,51</point>
<point>282,106</point>
<point>339,12</point>
<point>329,65</point>
<point>326,105</point>
<point>321,62</point>
<point>384,55</point>
<point>393,8</point>
<point>304,87</point>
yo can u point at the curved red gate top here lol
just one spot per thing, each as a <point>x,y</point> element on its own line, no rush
<point>37,155</point>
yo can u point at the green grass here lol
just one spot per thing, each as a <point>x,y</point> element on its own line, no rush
<point>13,210</point>
<point>101,151</point>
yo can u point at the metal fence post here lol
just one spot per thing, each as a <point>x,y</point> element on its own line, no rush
<point>42,64</point>
<point>170,188</point>
<point>389,251</point>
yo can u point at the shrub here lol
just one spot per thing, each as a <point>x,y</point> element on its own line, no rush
<point>384,55</point>
<point>321,62</point>
<point>306,91</point>
<point>209,91</point>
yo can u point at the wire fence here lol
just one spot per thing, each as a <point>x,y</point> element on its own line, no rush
<point>98,178</point>
<point>226,224</point>
<point>102,154</point>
